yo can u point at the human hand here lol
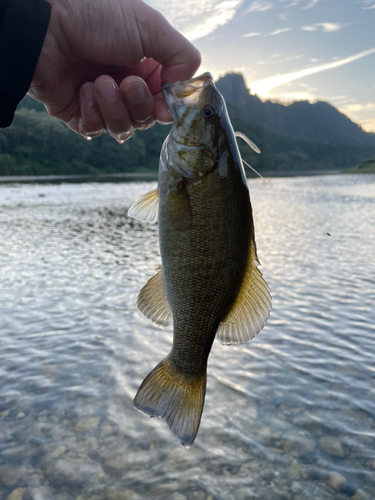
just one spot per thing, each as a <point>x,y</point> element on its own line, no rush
<point>102,64</point>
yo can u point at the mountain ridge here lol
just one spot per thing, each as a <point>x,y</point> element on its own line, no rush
<point>315,122</point>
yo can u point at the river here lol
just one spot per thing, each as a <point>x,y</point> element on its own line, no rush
<point>288,416</point>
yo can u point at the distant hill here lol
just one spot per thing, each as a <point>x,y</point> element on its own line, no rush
<point>298,137</point>
<point>318,122</point>
<point>366,167</point>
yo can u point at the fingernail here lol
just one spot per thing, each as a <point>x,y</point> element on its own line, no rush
<point>88,96</point>
<point>107,90</point>
<point>135,93</point>
<point>88,134</point>
<point>123,138</point>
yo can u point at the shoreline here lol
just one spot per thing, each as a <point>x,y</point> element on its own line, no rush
<point>143,175</point>
<point>153,175</point>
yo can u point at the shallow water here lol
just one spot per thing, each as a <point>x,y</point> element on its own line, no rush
<point>284,414</point>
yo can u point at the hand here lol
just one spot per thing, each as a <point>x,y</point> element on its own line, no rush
<point>102,64</point>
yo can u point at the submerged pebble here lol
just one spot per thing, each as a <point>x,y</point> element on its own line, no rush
<point>87,424</point>
<point>17,494</point>
<point>9,475</point>
<point>60,450</point>
<point>295,470</point>
<point>332,446</point>
<point>114,494</point>
<point>74,470</point>
<point>336,480</point>
<point>298,445</point>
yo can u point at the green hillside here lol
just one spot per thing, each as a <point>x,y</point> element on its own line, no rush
<point>299,137</point>
<point>366,167</point>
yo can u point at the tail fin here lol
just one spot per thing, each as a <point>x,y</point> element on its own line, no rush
<point>168,394</point>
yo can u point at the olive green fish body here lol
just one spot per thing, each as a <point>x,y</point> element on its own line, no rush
<point>209,282</point>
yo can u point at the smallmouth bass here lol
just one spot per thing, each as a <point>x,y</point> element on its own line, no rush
<point>209,282</point>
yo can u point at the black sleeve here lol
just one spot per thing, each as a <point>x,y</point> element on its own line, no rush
<point>23,25</point>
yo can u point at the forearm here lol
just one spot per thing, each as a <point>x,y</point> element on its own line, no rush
<point>23,25</point>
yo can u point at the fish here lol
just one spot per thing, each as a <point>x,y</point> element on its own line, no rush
<point>208,284</point>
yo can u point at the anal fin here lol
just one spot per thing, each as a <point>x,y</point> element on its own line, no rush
<point>251,309</point>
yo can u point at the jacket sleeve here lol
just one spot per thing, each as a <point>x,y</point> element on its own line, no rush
<point>23,25</point>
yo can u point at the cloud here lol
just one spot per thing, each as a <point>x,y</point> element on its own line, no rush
<point>326,27</point>
<point>259,6</point>
<point>296,2</point>
<point>262,86</point>
<point>297,96</point>
<point>309,28</point>
<point>360,107</point>
<point>194,18</point>
<point>251,34</point>
<point>368,125</point>
<point>294,58</point>
<point>311,4</point>
<point>367,2</point>
<point>329,27</point>
<point>277,32</point>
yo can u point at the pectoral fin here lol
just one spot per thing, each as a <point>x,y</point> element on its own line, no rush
<point>146,208</point>
<point>153,302</point>
<point>251,308</point>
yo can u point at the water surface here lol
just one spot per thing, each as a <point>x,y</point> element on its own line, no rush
<point>284,414</point>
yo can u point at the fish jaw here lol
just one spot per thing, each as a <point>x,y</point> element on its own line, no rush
<point>188,91</point>
<point>194,140</point>
<point>184,101</point>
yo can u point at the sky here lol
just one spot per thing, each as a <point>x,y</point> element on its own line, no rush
<point>287,49</point>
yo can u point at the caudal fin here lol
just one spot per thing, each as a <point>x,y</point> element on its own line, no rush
<point>168,394</point>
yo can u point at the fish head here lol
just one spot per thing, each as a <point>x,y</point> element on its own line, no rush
<point>200,125</point>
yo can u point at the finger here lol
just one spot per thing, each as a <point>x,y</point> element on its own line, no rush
<point>112,108</point>
<point>160,41</point>
<point>161,112</point>
<point>139,102</point>
<point>91,123</point>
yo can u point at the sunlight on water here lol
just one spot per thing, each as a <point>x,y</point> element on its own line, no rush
<point>288,416</point>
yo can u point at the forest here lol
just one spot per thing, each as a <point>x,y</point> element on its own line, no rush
<point>37,144</point>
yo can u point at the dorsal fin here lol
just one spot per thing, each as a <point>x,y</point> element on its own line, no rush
<point>251,308</point>
<point>152,301</point>
<point>146,208</point>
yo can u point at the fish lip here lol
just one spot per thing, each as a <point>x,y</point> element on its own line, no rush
<point>171,87</point>
<point>180,90</point>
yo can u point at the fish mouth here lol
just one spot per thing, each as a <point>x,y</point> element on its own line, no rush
<point>189,90</point>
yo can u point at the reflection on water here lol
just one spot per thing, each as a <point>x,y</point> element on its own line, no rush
<point>290,415</point>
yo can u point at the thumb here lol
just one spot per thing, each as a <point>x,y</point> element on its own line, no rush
<point>160,41</point>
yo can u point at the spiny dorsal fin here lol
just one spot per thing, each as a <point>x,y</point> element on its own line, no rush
<point>152,301</point>
<point>251,308</point>
<point>146,208</point>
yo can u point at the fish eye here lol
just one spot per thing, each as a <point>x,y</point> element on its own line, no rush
<point>209,111</point>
